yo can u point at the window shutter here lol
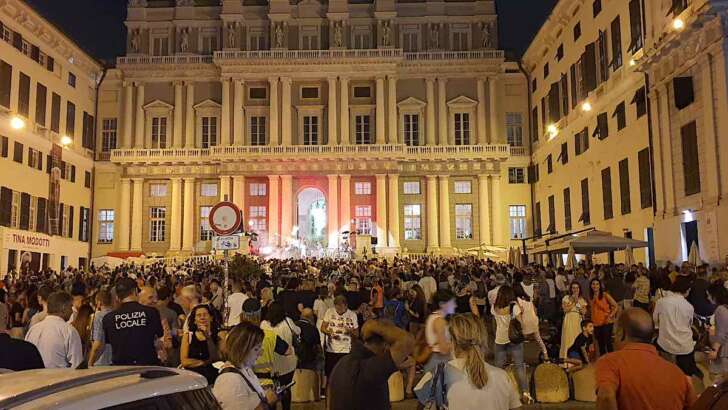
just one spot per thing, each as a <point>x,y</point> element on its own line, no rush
<point>624,195</point>
<point>635,26</point>
<point>690,159</point>
<point>18,41</point>
<point>35,53</point>
<point>73,173</point>
<point>554,101</point>
<point>70,222</point>
<point>40,162</point>
<point>4,149</point>
<point>577,143</point>
<point>607,193</point>
<point>683,91</point>
<point>50,64</point>
<point>40,225</point>
<point>532,174</point>
<point>24,211</point>
<point>589,69</point>
<point>6,205</point>
<point>643,159</point>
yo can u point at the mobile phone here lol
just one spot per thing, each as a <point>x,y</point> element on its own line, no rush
<point>281,389</point>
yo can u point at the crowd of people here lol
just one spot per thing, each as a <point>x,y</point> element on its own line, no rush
<point>451,325</point>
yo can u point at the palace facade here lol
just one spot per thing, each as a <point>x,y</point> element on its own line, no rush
<point>399,120</point>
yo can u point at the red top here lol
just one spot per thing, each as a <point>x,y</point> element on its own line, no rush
<point>600,311</point>
<point>643,380</point>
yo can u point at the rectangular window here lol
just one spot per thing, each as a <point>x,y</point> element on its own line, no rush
<point>362,92</point>
<point>412,222</point>
<point>621,114</point>
<point>577,31</point>
<point>310,93</point>
<point>258,215</point>
<point>70,119</point>
<point>545,71</point>
<point>72,80</point>
<point>24,95</point>
<point>41,95</point>
<point>683,91</point>
<point>460,41</point>
<point>517,221</point>
<point>567,209</point>
<point>208,189</point>
<point>362,129</point>
<point>585,216</point>
<point>309,42</point>
<point>87,179</point>
<point>463,221</point>
<point>552,215</point>
<point>363,219</point>
<point>209,43</point>
<point>6,79</point>
<point>108,134</point>
<point>516,176</point>
<point>625,200</point>
<point>410,41</point>
<point>258,189</point>
<point>106,225</point>
<point>33,213</point>
<point>158,190</point>
<point>690,159</point>
<point>257,130</point>
<point>597,7</point>
<point>534,123</point>
<point>463,187</point>
<point>35,159</point>
<point>537,219</point>
<point>257,41</point>
<point>602,129</point>
<point>209,132</point>
<point>310,130</point>
<point>564,92</point>
<point>157,223</point>
<point>643,159</point>
<point>83,224</point>
<point>159,132</point>
<point>4,146</point>
<point>87,132</point>
<point>607,193</point>
<point>635,26</point>
<point>573,83</point>
<point>205,229</point>
<point>411,187</point>
<point>560,52</point>
<point>616,31</point>
<point>361,40</point>
<point>462,128</point>
<point>56,113</point>
<point>18,152</point>
<point>514,129</point>
<point>588,69</point>
<point>257,93</point>
<point>362,188</point>
<point>603,57</point>
<point>640,102</point>
<point>564,155</point>
<point>549,164</point>
<point>411,130</point>
<point>160,47</point>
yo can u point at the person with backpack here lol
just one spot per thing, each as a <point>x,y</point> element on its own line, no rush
<point>309,350</point>
<point>508,316</point>
<point>237,387</point>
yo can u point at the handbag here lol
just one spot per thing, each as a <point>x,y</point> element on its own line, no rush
<point>295,338</point>
<point>263,399</point>
<point>515,330</point>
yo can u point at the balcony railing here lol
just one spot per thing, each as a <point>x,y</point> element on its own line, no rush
<point>519,151</point>
<point>309,54</point>
<point>177,59</point>
<point>311,152</point>
<point>453,55</point>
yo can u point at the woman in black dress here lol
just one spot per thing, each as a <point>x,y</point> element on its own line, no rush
<point>199,346</point>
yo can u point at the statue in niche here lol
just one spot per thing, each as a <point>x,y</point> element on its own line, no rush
<point>279,35</point>
<point>231,35</point>
<point>487,34</point>
<point>184,43</point>
<point>338,35</point>
<point>434,36</point>
<point>386,34</point>
<point>135,40</point>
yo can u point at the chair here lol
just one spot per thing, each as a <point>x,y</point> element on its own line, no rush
<point>396,387</point>
<point>585,384</point>
<point>307,387</point>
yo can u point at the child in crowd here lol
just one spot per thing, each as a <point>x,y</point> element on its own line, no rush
<point>581,351</point>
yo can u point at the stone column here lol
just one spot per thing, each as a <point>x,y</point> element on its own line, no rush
<point>273,113</point>
<point>225,115</point>
<point>126,141</point>
<point>379,112</point>
<point>665,133</point>
<point>286,112</point>
<point>137,214</point>
<point>239,196</point>
<point>175,217</point>
<point>493,110</point>
<point>344,112</point>
<point>442,111</point>
<point>382,211</point>
<point>430,119</point>
<point>497,211</point>
<point>393,207</point>
<point>483,210</point>
<point>286,208</point>
<point>178,110</point>
<point>188,217</point>
<point>331,113</point>
<point>124,215</point>
<point>238,114</point>
<point>433,240</point>
<point>190,117</point>
<point>345,201</point>
<point>445,242</point>
<point>333,211</point>
<point>482,134</point>
<point>392,110</point>
<point>139,121</point>
<point>712,190</point>
<point>273,211</point>
<point>225,188</point>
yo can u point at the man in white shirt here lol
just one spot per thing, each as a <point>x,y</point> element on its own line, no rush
<point>57,341</point>
<point>673,317</point>
<point>340,325</point>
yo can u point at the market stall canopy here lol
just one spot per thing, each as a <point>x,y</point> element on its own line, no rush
<point>589,243</point>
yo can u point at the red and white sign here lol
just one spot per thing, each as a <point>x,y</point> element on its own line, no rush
<point>224,218</point>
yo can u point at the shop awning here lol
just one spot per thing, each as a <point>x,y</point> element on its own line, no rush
<point>589,243</point>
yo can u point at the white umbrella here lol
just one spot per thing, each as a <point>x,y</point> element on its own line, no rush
<point>628,256</point>
<point>518,257</point>
<point>571,259</point>
<point>559,260</point>
<point>694,255</point>
<point>510,256</point>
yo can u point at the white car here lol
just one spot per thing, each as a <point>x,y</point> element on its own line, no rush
<point>117,387</point>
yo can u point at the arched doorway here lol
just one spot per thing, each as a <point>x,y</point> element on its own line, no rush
<point>311,213</point>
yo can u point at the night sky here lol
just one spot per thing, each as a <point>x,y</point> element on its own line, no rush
<point>98,25</point>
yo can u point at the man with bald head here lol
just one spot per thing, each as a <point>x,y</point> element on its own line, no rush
<point>310,348</point>
<point>635,376</point>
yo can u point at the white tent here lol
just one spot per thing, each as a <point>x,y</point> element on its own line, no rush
<point>629,256</point>
<point>694,255</point>
<point>571,259</point>
<point>590,243</point>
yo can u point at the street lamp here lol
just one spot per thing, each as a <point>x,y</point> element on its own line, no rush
<point>66,140</point>
<point>586,107</point>
<point>553,130</point>
<point>17,123</point>
<point>678,24</point>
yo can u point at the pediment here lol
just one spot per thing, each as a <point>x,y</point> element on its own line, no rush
<point>461,101</point>
<point>208,103</point>
<point>158,105</point>
<point>411,102</point>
